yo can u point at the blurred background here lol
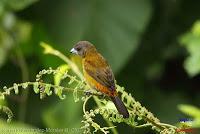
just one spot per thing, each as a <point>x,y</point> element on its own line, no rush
<point>153,47</point>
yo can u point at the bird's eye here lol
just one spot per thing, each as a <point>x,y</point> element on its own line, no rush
<point>78,48</point>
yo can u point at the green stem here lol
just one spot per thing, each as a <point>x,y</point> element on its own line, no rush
<point>25,77</point>
<point>8,90</point>
<point>84,104</point>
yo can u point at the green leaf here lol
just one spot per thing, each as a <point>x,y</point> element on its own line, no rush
<point>115,27</point>
<point>196,123</point>
<point>47,89</point>
<point>36,87</point>
<point>16,4</point>
<point>58,77</point>
<point>59,92</point>
<point>190,110</point>
<point>191,42</point>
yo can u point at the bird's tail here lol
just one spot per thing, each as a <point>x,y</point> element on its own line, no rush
<point>120,106</point>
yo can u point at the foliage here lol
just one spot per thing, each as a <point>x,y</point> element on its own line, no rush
<point>191,41</point>
<point>14,4</point>
<point>137,112</point>
<point>193,112</point>
<point>103,24</point>
<point>13,31</point>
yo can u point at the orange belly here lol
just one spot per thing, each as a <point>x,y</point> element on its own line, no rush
<point>94,84</point>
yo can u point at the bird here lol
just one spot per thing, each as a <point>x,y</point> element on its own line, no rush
<point>98,73</point>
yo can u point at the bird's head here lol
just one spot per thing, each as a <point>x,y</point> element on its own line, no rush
<point>82,48</point>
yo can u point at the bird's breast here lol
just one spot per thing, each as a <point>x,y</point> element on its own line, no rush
<point>96,85</point>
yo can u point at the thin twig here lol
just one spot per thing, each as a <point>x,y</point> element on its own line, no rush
<point>84,104</point>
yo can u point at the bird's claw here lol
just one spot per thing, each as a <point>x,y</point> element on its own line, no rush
<point>102,96</point>
<point>88,92</point>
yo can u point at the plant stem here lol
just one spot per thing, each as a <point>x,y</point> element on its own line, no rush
<point>25,77</point>
<point>84,105</point>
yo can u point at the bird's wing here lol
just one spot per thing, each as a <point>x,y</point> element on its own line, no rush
<point>101,72</point>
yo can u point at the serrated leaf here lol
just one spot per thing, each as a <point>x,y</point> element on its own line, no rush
<point>36,87</point>
<point>58,77</point>
<point>59,93</point>
<point>47,89</point>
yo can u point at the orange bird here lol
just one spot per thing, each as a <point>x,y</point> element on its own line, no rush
<point>98,73</point>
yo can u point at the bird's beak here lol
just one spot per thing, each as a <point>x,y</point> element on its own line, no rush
<point>74,51</point>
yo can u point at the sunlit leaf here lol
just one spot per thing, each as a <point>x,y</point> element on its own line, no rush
<point>58,77</point>
<point>190,110</point>
<point>196,122</point>
<point>191,41</point>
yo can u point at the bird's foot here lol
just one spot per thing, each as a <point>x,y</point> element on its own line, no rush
<point>88,92</point>
<point>102,96</point>
<point>91,92</point>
